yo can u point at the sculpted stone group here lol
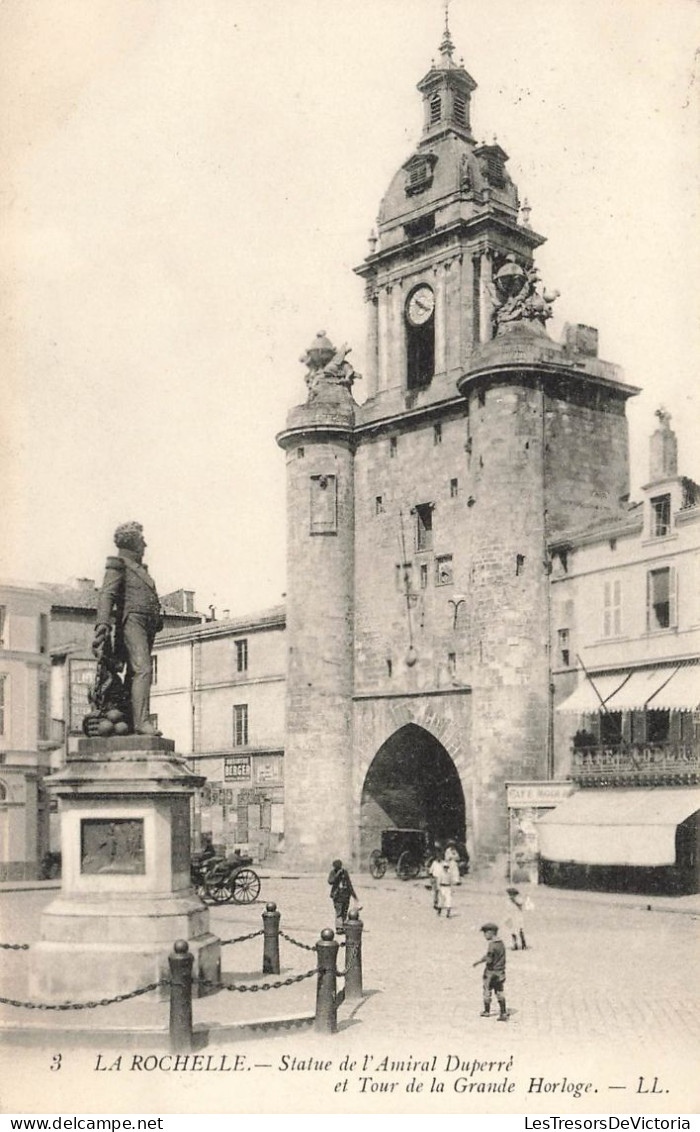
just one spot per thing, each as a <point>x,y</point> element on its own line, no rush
<point>516,297</point>
<point>327,366</point>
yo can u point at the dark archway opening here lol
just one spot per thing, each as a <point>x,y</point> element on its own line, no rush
<point>412,783</point>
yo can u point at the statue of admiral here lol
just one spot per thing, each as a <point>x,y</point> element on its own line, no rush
<point>129,599</point>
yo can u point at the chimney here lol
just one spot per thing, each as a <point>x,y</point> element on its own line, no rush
<point>663,449</point>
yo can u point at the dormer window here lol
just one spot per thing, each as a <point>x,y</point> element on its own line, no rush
<point>419,172</point>
<point>435,109</point>
<point>492,159</point>
<point>661,516</point>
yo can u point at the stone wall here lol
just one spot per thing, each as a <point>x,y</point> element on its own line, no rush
<point>319,677</point>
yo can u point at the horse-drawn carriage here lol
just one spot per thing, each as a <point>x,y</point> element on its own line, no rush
<point>225,879</point>
<point>410,851</point>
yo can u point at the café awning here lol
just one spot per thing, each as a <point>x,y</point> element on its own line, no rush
<point>591,691</point>
<point>617,826</point>
<point>640,691</point>
<point>681,692</point>
<point>652,689</point>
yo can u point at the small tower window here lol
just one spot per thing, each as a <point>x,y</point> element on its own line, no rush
<point>424,526</point>
<point>378,505</point>
<point>437,434</point>
<point>460,110</point>
<point>424,575</point>
<point>443,570</point>
<point>435,109</point>
<point>454,489</point>
<point>393,446</point>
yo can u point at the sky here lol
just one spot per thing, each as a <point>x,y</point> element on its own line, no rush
<point>186,187</point>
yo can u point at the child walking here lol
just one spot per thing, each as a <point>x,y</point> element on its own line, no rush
<point>515,918</point>
<point>494,972</point>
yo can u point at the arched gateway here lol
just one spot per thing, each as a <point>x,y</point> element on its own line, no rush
<point>411,783</point>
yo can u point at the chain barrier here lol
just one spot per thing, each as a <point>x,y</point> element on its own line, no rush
<point>85,1005</point>
<point>243,938</point>
<point>352,961</point>
<point>297,943</point>
<point>253,987</point>
<point>14,946</point>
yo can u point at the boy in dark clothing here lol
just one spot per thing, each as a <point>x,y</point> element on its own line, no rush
<point>494,972</point>
<point>341,892</point>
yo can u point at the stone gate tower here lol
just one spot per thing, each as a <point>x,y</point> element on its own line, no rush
<point>418,619</point>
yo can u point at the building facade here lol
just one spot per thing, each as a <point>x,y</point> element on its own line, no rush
<point>26,733</point>
<point>418,603</point>
<point>219,692</point>
<point>626,673</point>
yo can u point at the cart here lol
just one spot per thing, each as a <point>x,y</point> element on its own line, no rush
<point>408,850</point>
<point>223,880</point>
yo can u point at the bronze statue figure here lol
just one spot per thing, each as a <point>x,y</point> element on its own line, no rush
<point>129,600</point>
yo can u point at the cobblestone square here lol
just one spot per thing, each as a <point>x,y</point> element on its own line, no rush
<point>605,995</point>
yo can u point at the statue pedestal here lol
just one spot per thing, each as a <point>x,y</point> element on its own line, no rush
<point>125,894</point>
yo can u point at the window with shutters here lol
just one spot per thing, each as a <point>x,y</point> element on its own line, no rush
<point>43,731</point>
<point>658,723</point>
<point>240,725</point>
<point>611,728</point>
<point>242,655</point>
<point>612,607</point>
<point>661,599</point>
<point>661,516</point>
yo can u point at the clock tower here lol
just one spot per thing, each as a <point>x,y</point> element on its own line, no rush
<point>449,218</point>
<point>418,596</point>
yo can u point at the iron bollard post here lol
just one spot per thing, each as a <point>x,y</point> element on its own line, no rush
<point>326,1007</point>
<point>181,962</point>
<point>353,956</point>
<point>271,940</point>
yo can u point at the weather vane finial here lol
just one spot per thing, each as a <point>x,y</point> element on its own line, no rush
<point>447,46</point>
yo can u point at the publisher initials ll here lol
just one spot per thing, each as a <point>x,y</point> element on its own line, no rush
<point>642,1087</point>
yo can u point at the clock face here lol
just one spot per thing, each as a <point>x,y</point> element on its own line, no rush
<point>420,306</point>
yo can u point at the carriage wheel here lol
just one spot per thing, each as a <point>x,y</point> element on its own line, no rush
<point>245,887</point>
<point>407,867</point>
<point>219,888</point>
<point>377,864</point>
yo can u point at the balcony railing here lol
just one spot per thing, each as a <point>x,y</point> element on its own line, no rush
<point>637,764</point>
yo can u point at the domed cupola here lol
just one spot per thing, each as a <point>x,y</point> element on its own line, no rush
<point>448,221</point>
<point>448,177</point>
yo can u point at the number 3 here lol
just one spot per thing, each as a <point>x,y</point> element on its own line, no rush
<point>55,1062</point>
